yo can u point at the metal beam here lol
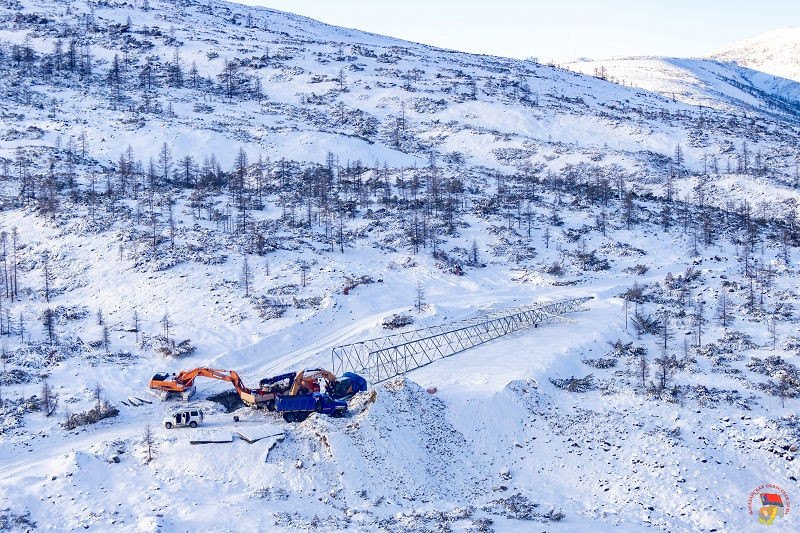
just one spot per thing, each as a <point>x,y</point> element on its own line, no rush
<point>383,358</point>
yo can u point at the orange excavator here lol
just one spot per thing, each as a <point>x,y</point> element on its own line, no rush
<point>164,385</point>
<point>308,381</point>
<point>341,388</point>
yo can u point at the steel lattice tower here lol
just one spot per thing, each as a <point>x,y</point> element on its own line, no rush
<point>385,357</point>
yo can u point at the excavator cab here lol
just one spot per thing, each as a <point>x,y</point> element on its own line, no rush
<point>164,384</point>
<point>347,385</point>
<point>167,381</point>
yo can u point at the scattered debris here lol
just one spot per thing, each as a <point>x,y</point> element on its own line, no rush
<point>255,434</point>
<point>271,493</point>
<point>93,415</point>
<point>269,308</point>
<point>786,377</point>
<point>711,397</point>
<point>520,507</point>
<point>574,384</point>
<point>397,321</point>
<point>14,376</point>
<point>351,283</point>
<point>169,348</point>
<point>313,302</point>
<point>10,521</point>
<point>601,363</point>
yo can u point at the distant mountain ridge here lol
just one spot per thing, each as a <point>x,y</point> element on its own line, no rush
<point>759,73</point>
<point>776,52</point>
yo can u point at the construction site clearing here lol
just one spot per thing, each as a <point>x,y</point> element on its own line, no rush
<point>295,394</point>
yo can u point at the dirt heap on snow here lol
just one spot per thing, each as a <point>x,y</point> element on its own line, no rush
<point>400,443</point>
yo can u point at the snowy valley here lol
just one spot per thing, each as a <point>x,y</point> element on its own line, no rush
<point>203,184</point>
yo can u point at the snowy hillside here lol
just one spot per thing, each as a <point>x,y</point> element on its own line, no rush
<point>759,73</point>
<point>775,52</point>
<point>703,82</point>
<point>199,183</point>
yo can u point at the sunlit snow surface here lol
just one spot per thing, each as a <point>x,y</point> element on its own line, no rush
<point>497,437</point>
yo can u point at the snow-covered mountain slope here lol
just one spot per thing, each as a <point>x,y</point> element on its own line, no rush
<point>342,90</point>
<point>759,73</point>
<point>268,187</point>
<point>711,82</point>
<point>775,52</point>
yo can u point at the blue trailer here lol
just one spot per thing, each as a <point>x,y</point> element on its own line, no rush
<point>297,408</point>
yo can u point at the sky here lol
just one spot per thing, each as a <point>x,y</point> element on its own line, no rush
<point>557,30</point>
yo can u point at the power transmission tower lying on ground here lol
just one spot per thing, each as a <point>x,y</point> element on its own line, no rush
<point>386,357</point>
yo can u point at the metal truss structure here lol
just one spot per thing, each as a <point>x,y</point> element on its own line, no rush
<point>386,357</point>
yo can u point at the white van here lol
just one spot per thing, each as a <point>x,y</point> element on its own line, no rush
<point>183,418</point>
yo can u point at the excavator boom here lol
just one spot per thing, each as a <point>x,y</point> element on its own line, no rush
<point>165,384</point>
<point>185,379</point>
